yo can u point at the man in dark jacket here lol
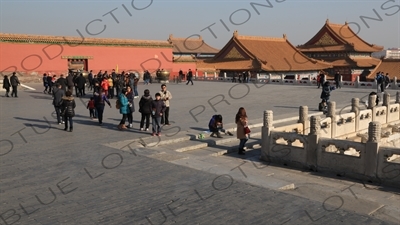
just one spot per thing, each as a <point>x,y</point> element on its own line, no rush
<point>63,82</point>
<point>90,78</point>
<point>337,80</point>
<point>158,109</point>
<point>145,105</point>
<point>50,83</point>
<point>58,93</point>
<point>189,77</point>
<point>6,85</point>
<point>80,84</point>
<point>68,107</point>
<point>70,82</point>
<point>14,84</point>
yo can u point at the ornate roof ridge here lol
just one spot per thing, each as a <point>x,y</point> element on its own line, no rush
<point>171,37</point>
<point>51,38</point>
<point>261,38</point>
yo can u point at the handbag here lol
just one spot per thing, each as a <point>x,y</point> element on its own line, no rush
<point>247,130</point>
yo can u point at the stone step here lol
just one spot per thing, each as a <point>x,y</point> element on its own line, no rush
<point>210,142</point>
<point>225,148</point>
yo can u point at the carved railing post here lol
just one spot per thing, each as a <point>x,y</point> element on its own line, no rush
<point>312,142</point>
<point>398,97</point>
<point>371,101</point>
<point>205,75</point>
<point>386,99</point>
<point>215,75</point>
<point>283,79</point>
<point>224,76</point>
<point>303,118</point>
<point>355,108</point>
<point>372,147</point>
<point>371,105</point>
<point>394,83</point>
<point>357,85</point>
<point>332,114</point>
<point>266,133</point>
<point>386,103</point>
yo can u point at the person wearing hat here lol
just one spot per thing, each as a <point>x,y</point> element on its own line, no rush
<point>14,84</point>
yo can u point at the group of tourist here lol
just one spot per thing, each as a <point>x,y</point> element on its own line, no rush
<point>383,81</point>
<point>103,85</point>
<point>125,85</point>
<point>13,82</point>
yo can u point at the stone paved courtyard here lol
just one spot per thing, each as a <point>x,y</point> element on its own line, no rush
<point>49,176</point>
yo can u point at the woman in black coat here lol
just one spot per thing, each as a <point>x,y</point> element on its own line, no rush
<point>131,107</point>
<point>6,85</point>
<point>68,110</point>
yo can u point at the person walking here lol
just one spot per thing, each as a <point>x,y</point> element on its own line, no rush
<point>189,77</point>
<point>63,82</point>
<point>90,78</point>
<point>241,121</point>
<point>165,97</point>
<point>387,80</point>
<point>71,83</point>
<point>131,108</point>
<point>6,85</point>
<point>180,76</point>
<point>68,107</point>
<point>337,80</point>
<point>158,108</point>
<point>123,108</point>
<point>80,84</point>
<point>100,102</point>
<point>145,104</point>
<point>45,83</point>
<point>104,85</point>
<point>49,83</point>
<point>146,77</point>
<point>58,94</point>
<point>110,87</point>
<point>14,81</point>
<point>135,84</point>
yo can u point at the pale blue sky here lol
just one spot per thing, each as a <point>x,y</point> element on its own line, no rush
<point>300,20</point>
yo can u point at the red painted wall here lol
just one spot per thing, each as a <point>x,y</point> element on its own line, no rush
<point>42,58</point>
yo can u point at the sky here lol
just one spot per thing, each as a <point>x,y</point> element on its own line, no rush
<point>215,21</point>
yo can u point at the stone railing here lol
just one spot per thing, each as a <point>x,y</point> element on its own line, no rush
<point>309,81</point>
<point>310,143</point>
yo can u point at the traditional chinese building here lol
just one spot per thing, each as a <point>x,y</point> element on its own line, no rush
<point>37,54</point>
<point>349,54</point>
<point>187,51</point>
<point>264,55</point>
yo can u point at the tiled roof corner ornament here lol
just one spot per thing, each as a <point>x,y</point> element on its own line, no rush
<point>235,33</point>
<point>171,36</point>
<point>200,38</point>
<point>284,36</point>
<point>327,21</point>
<point>346,23</point>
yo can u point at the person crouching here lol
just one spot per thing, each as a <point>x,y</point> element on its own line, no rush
<point>215,125</point>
